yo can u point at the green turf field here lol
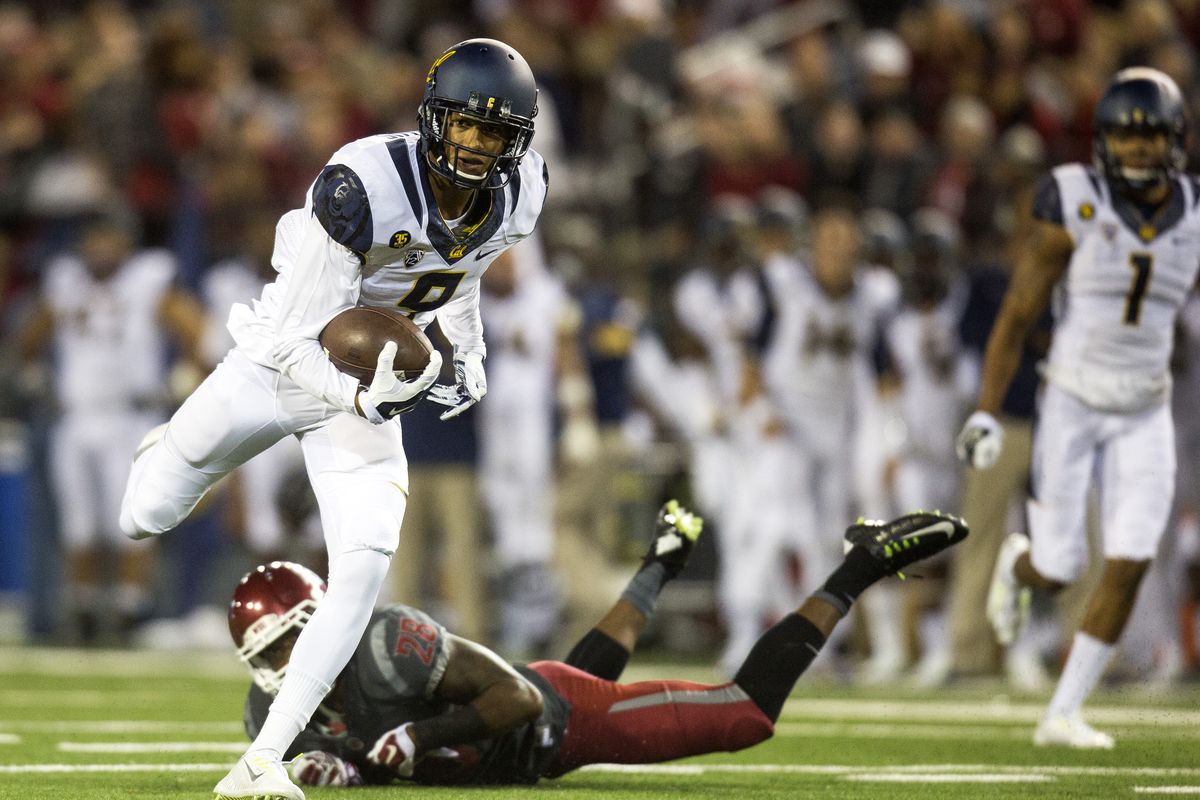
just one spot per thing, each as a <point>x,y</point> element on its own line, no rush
<point>87,725</point>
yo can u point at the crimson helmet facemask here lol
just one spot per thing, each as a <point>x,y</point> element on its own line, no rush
<point>271,602</point>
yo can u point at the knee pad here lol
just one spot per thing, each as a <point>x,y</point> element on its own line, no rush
<point>141,518</point>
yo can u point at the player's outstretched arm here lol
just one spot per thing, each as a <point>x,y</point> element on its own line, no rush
<point>1038,270</point>
<point>490,698</point>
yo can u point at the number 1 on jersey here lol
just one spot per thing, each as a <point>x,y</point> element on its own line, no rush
<point>1141,264</point>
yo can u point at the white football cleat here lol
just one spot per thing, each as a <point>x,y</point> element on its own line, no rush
<point>1008,599</point>
<point>257,776</point>
<point>1072,731</point>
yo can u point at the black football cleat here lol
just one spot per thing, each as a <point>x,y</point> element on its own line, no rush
<point>906,539</point>
<point>675,532</point>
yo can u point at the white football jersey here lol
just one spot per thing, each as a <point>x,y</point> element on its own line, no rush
<point>1116,307</point>
<point>227,283</point>
<point>370,234</point>
<point>110,348</point>
<point>522,334</point>
<point>937,378</point>
<point>819,366</point>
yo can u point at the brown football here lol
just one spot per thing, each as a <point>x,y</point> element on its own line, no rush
<point>354,338</point>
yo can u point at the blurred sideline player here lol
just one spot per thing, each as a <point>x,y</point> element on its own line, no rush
<point>936,381</point>
<point>407,221</point>
<point>418,702</point>
<point>742,462</point>
<point>1116,245</point>
<point>535,364</point>
<point>111,311</point>
<point>821,373</point>
<point>256,486</point>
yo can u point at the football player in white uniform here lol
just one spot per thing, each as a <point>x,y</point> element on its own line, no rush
<point>407,221</point>
<point>1116,245</point>
<point>531,323</point>
<point>111,311</point>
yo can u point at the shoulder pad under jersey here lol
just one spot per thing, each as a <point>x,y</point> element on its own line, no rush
<point>340,204</point>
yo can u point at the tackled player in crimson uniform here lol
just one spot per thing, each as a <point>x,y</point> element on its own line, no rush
<point>418,702</point>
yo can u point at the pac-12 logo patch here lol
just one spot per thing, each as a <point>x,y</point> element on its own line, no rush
<point>1086,211</point>
<point>399,239</point>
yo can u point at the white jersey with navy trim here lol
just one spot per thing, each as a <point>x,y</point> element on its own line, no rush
<point>370,233</point>
<point>1116,307</point>
<point>111,351</point>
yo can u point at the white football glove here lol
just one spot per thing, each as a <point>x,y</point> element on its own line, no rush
<point>980,441</point>
<point>324,769</point>
<point>387,395</point>
<point>469,389</point>
<point>396,751</point>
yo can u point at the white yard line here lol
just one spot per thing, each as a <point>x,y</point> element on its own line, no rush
<point>943,769</point>
<point>1000,711</point>
<point>74,698</point>
<point>9,738</point>
<point>120,726</point>
<point>205,664</point>
<point>35,768</point>
<point>1167,789</point>
<point>151,747</point>
<point>888,730</point>
<point>929,777</point>
<point>923,771</point>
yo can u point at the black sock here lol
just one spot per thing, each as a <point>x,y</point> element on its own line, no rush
<point>600,655</point>
<point>858,571</point>
<point>777,660</point>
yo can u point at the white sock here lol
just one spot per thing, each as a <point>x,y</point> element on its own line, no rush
<point>298,698</point>
<point>882,606</point>
<point>1089,656</point>
<point>324,646</point>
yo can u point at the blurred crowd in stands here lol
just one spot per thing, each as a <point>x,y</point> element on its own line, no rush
<point>776,237</point>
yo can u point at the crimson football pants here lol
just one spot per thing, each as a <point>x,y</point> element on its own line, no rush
<point>650,721</point>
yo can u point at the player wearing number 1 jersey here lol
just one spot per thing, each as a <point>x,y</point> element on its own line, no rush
<point>1117,247</point>
<point>407,221</point>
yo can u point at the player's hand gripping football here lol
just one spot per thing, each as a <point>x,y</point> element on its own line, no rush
<point>388,395</point>
<point>980,441</point>
<point>469,388</point>
<point>324,769</point>
<point>395,750</point>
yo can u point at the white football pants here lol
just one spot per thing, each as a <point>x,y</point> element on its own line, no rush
<point>358,470</point>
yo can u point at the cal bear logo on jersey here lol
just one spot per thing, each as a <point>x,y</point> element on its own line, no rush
<point>1086,211</point>
<point>399,239</point>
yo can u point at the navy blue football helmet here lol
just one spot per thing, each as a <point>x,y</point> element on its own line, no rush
<point>489,80</point>
<point>1140,100</point>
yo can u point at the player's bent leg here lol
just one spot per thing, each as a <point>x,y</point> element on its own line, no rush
<point>360,481</point>
<point>230,417</point>
<point>650,721</point>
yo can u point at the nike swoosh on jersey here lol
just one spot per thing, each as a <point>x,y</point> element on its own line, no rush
<point>481,256</point>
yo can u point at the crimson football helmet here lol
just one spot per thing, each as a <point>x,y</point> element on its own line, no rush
<point>269,602</point>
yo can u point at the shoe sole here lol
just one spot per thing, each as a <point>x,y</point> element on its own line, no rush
<point>995,608</point>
